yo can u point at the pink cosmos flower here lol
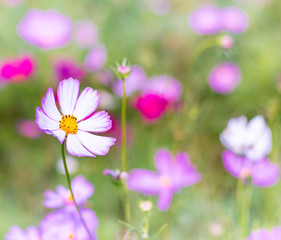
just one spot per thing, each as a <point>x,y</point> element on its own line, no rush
<point>226,41</point>
<point>76,119</point>
<point>134,82</point>
<point>224,77</point>
<point>151,107</point>
<point>96,58</point>
<point>85,33</point>
<point>172,176</point>
<point>65,225</point>
<point>234,20</point>
<point>67,68</point>
<point>205,20</point>
<point>17,70</point>
<point>82,191</point>
<point>263,234</point>
<point>16,233</point>
<point>164,86</point>
<point>45,29</point>
<point>28,128</point>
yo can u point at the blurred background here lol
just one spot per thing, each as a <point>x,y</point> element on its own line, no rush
<point>156,36</point>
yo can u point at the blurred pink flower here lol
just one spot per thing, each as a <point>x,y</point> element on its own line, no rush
<point>263,234</point>
<point>85,33</point>
<point>234,20</point>
<point>45,29</point>
<point>226,41</point>
<point>96,58</point>
<point>224,78</point>
<point>16,233</point>
<point>205,20</point>
<point>67,68</point>
<point>159,7</point>
<point>17,69</point>
<point>163,86</point>
<point>28,128</point>
<point>151,106</point>
<point>134,82</point>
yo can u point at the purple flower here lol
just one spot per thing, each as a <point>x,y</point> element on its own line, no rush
<point>263,234</point>
<point>234,20</point>
<point>67,68</point>
<point>65,225</point>
<point>171,177</point>
<point>134,82</point>
<point>115,174</point>
<point>16,233</point>
<point>82,191</point>
<point>263,172</point>
<point>163,86</point>
<point>96,58</point>
<point>205,20</point>
<point>76,119</point>
<point>45,29</point>
<point>224,77</point>
<point>85,33</point>
<point>250,139</point>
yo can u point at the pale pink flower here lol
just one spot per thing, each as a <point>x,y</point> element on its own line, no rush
<point>96,58</point>
<point>28,128</point>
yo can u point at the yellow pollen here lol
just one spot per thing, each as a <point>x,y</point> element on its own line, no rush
<point>68,124</point>
<point>69,198</point>
<point>165,181</point>
<point>70,236</point>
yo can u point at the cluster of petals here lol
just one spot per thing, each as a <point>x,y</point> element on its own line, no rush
<point>211,20</point>
<point>171,177</point>
<point>45,29</point>
<point>224,77</point>
<point>248,144</point>
<point>65,69</point>
<point>81,119</point>
<point>17,69</point>
<point>61,198</point>
<point>263,234</point>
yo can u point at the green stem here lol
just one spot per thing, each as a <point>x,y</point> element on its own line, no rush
<point>124,152</point>
<point>70,189</point>
<point>121,208</point>
<point>146,227</point>
<point>243,203</point>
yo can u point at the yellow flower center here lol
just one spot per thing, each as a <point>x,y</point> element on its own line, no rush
<point>165,181</point>
<point>70,236</point>
<point>69,198</point>
<point>68,124</point>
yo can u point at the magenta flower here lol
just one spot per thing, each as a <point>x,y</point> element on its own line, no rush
<point>224,77</point>
<point>16,233</point>
<point>76,119</point>
<point>151,107</point>
<point>234,20</point>
<point>82,191</point>
<point>67,68</point>
<point>205,20</point>
<point>28,128</point>
<point>134,82</point>
<point>263,172</point>
<point>263,234</point>
<point>171,177</point>
<point>85,33</point>
<point>45,29</point>
<point>65,225</point>
<point>164,86</point>
<point>96,58</point>
<point>17,70</point>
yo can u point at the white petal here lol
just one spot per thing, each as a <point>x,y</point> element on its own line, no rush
<point>97,145</point>
<point>49,106</point>
<point>45,123</point>
<point>233,136</point>
<point>75,148</point>
<point>87,103</point>
<point>99,122</point>
<point>59,134</point>
<point>68,91</point>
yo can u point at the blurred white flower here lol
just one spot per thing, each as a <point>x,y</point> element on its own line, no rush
<point>250,139</point>
<point>216,229</point>
<point>108,101</point>
<point>72,165</point>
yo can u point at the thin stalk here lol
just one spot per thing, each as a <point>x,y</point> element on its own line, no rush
<point>70,189</point>
<point>121,208</point>
<point>124,153</point>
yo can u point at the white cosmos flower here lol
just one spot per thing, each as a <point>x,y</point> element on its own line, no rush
<point>76,119</point>
<point>251,139</point>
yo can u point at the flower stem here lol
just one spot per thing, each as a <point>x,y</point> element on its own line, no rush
<point>243,203</point>
<point>70,189</point>
<point>124,152</point>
